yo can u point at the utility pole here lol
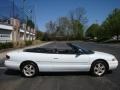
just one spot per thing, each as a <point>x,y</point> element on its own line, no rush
<point>23,8</point>
<point>31,14</point>
<point>13,9</point>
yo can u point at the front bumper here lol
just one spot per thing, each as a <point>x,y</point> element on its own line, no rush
<point>113,65</point>
<point>12,64</point>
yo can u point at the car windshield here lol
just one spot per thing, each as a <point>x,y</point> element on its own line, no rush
<point>87,51</point>
<point>81,49</point>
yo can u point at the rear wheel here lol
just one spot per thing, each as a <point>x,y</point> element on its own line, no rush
<point>99,68</point>
<point>29,69</point>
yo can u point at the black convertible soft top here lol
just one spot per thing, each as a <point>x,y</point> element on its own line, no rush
<point>51,50</point>
<point>74,49</point>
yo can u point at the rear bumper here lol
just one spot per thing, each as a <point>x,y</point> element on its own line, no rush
<point>12,65</point>
<point>113,65</point>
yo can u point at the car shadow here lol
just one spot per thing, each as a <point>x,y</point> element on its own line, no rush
<point>18,73</point>
<point>64,74</point>
<point>12,72</point>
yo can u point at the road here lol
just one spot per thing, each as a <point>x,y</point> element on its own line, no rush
<point>12,80</point>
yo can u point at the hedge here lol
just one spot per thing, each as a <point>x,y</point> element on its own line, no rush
<point>6,45</point>
<point>27,43</point>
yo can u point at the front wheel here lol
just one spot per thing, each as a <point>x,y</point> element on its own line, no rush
<point>99,68</point>
<point>29,69</point>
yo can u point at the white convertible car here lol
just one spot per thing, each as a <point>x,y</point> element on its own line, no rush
<point>32,61</point>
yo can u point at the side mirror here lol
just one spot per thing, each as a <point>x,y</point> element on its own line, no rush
<point>78,53</point>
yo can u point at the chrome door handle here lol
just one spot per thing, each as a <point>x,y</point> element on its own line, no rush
<point>55,58</point>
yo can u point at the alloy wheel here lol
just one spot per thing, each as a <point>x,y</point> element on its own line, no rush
<point>29,70</point>
<point>99,69</point>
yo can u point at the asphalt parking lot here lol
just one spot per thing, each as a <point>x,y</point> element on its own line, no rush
<point>12,80</point>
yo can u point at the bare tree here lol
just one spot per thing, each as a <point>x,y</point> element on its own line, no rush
<point>68,27</point>
<point>78,19</point>
<point>78,14</point>
<point>64,24</point>
<point>51,27</point>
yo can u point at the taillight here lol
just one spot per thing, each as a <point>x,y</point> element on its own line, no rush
<point>8,57</point>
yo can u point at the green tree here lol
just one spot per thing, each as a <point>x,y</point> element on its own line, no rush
<point>93,31</point>
<point>112,23</point>
<point>103,34</point>
<point>77,30</point>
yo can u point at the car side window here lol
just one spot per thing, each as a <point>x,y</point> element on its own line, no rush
<point>66,52</point>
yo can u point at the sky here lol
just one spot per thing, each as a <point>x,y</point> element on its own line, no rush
<point>96,10</point>
<point>46,10</point>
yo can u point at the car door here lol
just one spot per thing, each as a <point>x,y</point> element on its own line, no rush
<point>46,62</point>
<point>70,62</point>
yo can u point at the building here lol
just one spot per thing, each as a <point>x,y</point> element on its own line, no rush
<point>12,31</point>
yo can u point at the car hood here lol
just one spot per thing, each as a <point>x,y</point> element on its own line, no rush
<point>102,54</point>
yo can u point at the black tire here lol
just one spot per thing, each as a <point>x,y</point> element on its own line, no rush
<point>34,70</point>
<point>99,71</point>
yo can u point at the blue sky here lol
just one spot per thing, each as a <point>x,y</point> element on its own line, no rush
<point>46,10</point>
<point>52,9</point>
